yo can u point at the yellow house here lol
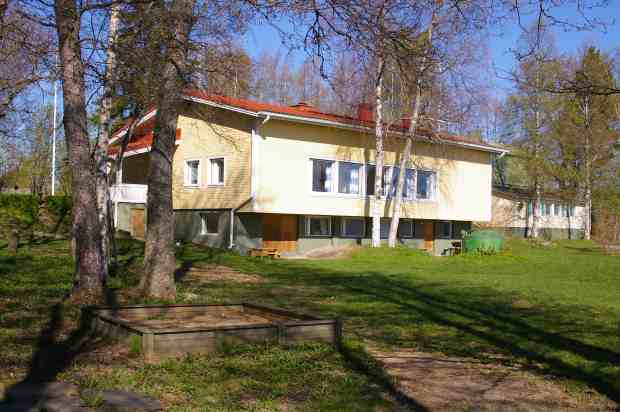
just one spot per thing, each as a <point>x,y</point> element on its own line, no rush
<point>296,179</point>
<point>513,212</point>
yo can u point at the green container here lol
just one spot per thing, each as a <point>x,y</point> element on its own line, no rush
<point>483,241</point>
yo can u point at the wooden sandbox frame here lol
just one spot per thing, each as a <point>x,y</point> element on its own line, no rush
<point>281,326</point>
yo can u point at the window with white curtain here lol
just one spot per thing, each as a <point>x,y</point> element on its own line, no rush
<point>322,175</point>
<point>192,172</point>
<point>425,185</point>
<point>216,175</point>
<point>353,227</point>
<point>371,173</point>
<point>349,177</point>
<point>408,184</point>
<point>318,226</point>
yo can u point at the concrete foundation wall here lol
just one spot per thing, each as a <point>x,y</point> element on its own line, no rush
<point>188,227</point>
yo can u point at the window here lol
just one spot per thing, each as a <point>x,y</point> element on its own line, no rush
<point>371,175</point>
<point>322,172</point>
<point>318,226</point>
<point>192,172</point>
<point>557,209</point>
<point>384,228</point>
<point>353,227</point>
<point>405,228</point>
<point>409,187</point>
<point>543,208</point>
<point>216,175</point>
<point>349,176</point>
<point>425,185</point>
<point>393,176</point>
<point>530,207</point>
<point>210,223</point>
<point>444,229</point>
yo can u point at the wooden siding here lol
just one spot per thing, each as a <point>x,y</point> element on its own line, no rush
<point>208,133</point>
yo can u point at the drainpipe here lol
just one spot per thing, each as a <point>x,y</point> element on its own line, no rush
<point>231,236</point>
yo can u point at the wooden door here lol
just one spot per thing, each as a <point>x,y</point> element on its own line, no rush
<point>138,225</point>
<point>280,232</point>
<point>428,235</point>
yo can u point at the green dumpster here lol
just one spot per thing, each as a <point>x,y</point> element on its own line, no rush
<point>483,241</point>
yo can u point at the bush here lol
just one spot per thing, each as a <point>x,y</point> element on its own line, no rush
<point>59,206</point>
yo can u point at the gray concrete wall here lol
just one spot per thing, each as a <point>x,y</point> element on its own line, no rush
<point>247,229</point>
<point>546,233</point>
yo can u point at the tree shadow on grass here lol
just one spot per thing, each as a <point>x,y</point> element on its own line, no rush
<point>51,355</point>
<point>566,341</point>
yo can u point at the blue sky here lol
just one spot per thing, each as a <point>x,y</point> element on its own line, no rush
<point>262,37</point>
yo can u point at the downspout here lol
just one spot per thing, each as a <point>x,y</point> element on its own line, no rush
<point>231,236</point>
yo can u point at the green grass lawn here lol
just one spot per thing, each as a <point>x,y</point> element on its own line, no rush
<point>555,310</point>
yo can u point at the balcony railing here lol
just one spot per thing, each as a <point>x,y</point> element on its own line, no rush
<point>128,193</point>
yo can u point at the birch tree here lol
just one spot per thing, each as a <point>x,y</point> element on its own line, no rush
<point>101,151</point>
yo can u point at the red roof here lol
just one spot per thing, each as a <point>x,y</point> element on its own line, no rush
<point>144,135</point>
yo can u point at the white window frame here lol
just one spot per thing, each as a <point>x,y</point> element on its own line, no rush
<point>210,162</point>
<point>343,226</point>
<point>307,225</point>
<point>187,175</point>
<point>204,227</point>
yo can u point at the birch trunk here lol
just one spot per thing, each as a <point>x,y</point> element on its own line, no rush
<point>379,135</point>
<point>89,263</point>
<point>159,260</point>
<point>409,143</point>
<point>587,213</point>
<point>101,153</point>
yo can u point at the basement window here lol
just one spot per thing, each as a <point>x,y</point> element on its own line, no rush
<point>318,226</point>
<point>210,223</point>
<point>353,227</point>
<point>405,228</point>
<point>444,230</point>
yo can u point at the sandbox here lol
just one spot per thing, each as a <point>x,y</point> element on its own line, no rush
<point>162,331</point>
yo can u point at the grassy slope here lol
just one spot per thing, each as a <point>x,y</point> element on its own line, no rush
<point>306,378</point>
<point>556,310</point>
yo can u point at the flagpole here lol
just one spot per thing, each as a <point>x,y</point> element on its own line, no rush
<point>54,140</point>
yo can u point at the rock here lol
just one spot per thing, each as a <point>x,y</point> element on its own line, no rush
<point>117,400</point>
<point>64,404</point>
<point>19,407</point>
<point>41,391</point>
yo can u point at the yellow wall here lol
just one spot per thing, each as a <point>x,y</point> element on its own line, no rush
<point>283,171</point>
<point>213,133</point>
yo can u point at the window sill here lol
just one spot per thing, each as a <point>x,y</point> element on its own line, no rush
<point>216,185</point>
<point>191,186</point>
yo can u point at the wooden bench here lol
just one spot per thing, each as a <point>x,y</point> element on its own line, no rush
<point>265,252</point>
<point>456,249</point>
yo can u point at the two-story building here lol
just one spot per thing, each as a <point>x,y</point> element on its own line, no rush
<point>250,175</point>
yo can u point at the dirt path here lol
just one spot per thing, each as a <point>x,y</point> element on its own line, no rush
<point>441,383</point>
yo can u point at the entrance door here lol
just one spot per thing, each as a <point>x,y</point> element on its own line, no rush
<point>137,223</point>
<point>428,235</point>
<point>280,232</point>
